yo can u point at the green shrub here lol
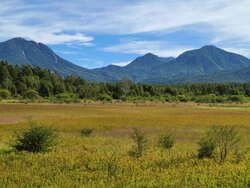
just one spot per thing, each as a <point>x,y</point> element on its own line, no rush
<point>236,98</point>
<point>104,97</point>
<point>18,96</point>
<point>219,140</point>
<point>140,144</point>
<point>169,98</point>
<point>31,94</point>
<point>221,99</point>
<point>67,98</point>
<point>4,94</point>
<point>206,148</point>
<point>124,98</point>
<point>212,98</point>
<point>86,132</point>
<point>36,139</point>
<point>166,141</point>
<point>182,98</point>
<point>226,138</point>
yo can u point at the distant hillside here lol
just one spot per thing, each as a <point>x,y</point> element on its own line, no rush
<point>137,70</point>
<point>19,51</point>
<point>200,62</point>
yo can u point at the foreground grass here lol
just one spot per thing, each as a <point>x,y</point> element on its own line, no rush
<point>102,160</point>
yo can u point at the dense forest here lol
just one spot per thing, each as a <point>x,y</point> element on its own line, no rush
<point>33,83</point>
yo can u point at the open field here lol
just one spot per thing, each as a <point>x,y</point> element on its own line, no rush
<point>102,160</point>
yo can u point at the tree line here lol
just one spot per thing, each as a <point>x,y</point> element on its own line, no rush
<point>27,82</point>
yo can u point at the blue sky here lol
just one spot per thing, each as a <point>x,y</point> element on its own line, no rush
<point>96,33</point>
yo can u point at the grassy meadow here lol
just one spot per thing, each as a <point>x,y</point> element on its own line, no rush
<point>102,160</point>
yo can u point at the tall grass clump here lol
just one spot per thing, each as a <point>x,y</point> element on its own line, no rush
<point>140,143</point>
<point>206,148</point>
<point>36,139</point>
<point>166,141</point>
<point>86,132</point>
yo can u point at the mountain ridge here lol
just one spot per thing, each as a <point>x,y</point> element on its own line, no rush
<point>19,51</point>
<point>202,61</point>
<point>137,69</point>
<point>190,66</point>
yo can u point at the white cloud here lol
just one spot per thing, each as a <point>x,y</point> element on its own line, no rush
<point>159,48</point>
<point>79,44</point>
<point>87,59</point>
<point>122,64</point>
<point>35,23</point>
<point>241,51</point>
<point>66,52</point>
<point>91,63</point>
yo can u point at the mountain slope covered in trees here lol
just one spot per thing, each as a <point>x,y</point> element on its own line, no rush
<point>19,51</point>
<point>204,62</point>
<point>137,70</point>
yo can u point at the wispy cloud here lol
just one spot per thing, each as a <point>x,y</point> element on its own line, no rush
<point>66,52</point>
<point>91,63</point>
<point>40,21</point>
<point>243,51</point>
<point>160,48</point>
<point>122,64</point>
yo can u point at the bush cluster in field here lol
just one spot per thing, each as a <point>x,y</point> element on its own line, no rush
<point>218,141</point>
<point>30,84</point>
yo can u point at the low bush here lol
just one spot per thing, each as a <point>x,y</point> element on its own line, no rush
<point>31,94</point>
<point>166,141</point>
<point>86,132</point>
<point>212,98</point>
<point>221,99</point>
<point>206,148</point>
<point>236,98</point>
<point>182,98</point>
<point>124,99</point>
<point>67,98</point>
<point>104,97</point>
<point>36,139</point>
<point>4,94</point>
<point>169,98</point>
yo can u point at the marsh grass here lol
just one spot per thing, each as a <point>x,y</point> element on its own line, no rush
<point>92,162</point>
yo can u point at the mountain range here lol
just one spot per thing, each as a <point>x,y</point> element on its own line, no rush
<point>207,64</point>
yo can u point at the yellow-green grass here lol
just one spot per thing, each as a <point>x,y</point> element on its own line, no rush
<point>102,160</point>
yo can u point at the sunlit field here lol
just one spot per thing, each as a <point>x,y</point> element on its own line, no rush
<point>102,160</point>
